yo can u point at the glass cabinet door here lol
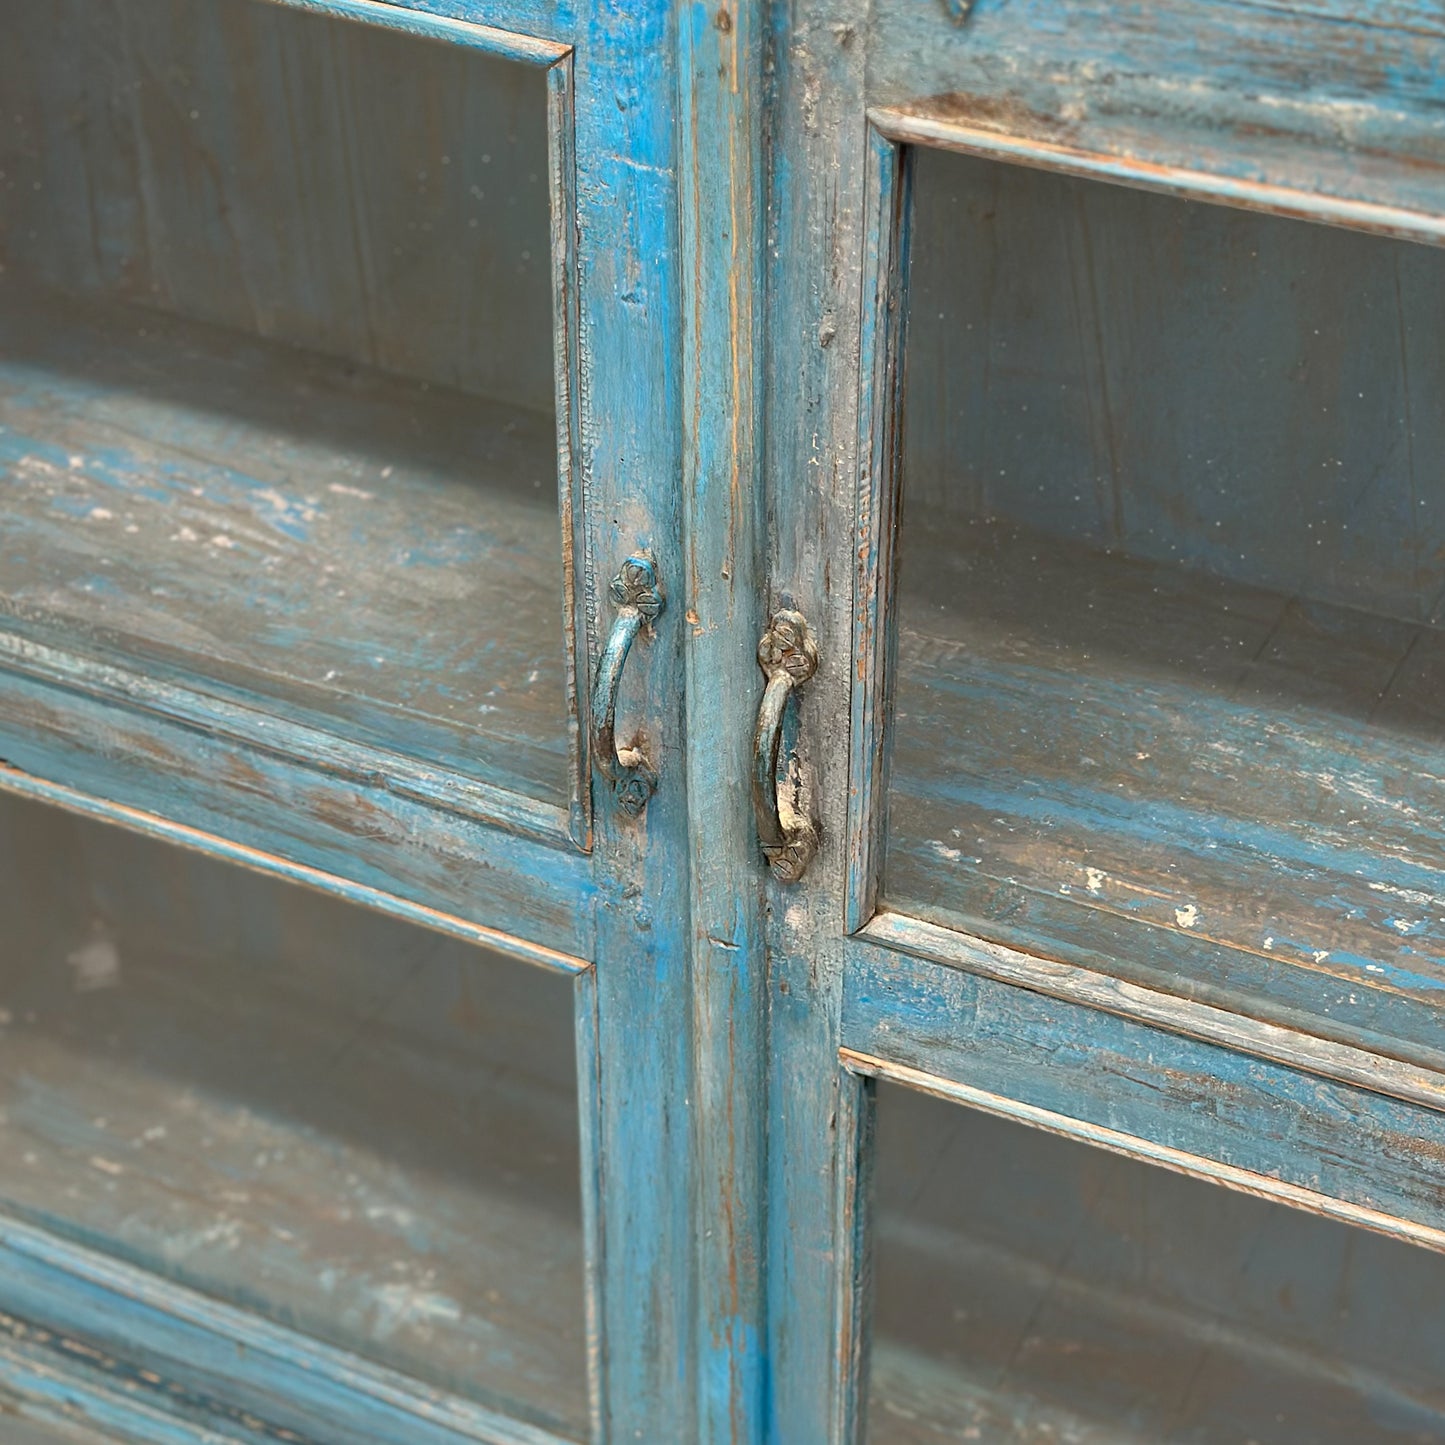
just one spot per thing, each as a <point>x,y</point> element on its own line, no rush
<point>1100,474</point>
<point>1169,594</point>
<point>360,1132</point>
<point>278,392</point>
<point>317,319</point>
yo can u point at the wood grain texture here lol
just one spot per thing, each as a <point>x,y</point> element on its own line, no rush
<point>338,833</point>
<point>815,248</point>
<point>158,763</point>
<point>155,1362</point>
<point>721,90</point>
<point>1327,1146</point>
<point>642,1139</point>
<point>350,1127</point>
<point>1233,1029</point>
<point>33,1432</point>
<point>1029,1286</point>
<point>1302,97</point>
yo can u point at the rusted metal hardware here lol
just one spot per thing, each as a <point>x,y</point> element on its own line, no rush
<point>787,829</point>
<point>639,599</point>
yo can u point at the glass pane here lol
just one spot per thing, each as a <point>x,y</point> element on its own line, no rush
<point>1033,1289</point>
<point>361,1130</point>
<point>276,383</point>
<point>1172,585</point>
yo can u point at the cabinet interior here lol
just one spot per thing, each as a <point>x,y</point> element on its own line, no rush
<point>359,1129</point>
<point>277,391</point>
<point>1172,583</point>
<point>1031,1288</point>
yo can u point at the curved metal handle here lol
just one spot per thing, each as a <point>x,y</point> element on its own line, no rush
<point>788,657</point>
<point>639,599</point>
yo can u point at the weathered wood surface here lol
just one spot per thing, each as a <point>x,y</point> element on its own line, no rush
<point>352,1127</point>
<point>55,1432</point>
<point>365,194</point>
<point>373,833</point>
<point>1253,1124</point>
<point>813,257</point>
<point>640,1132</point>
<point>1160,1006</point>
<point>333,830</point>
<point>236,516</point>
<point>721,89</point>
<point>1089,752</point>
<point>159,1363</point>
<point>1346,101</point>
<point>1031,1288</point>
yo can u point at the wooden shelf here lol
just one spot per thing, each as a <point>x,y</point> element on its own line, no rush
<point>1032,1289</point>
<point>348,1126</point>
<point>1087,743</point>
<point>368,554</point>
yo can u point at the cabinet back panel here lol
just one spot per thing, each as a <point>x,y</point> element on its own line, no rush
<point>356,1128</point>
<point>321,182</point>
<point>1179,382</point>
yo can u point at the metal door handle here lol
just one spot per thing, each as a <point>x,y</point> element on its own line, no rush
<point>788,657</point>
<point>639,599</point>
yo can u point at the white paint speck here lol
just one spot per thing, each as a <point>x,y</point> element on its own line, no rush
<point>1410,895</point>
<point>1187,916</point>
<point>953,855</point>
<point>1320,954</point>
<point>342,490</point>
<point>221,540</point>
<point>401,1305</point>
<point>184,534</point>
<point>1094,879</point>
<point>1405,925</point>
<point>106,1166</point>
<point>96,965</point>
<point>390,1214</point>
<point>1269,942</point>
<point>101,514</point>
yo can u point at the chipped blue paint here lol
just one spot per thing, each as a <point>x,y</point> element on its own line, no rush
<point>730,258</point>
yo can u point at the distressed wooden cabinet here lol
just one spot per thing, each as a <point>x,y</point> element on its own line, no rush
<point>720,723</point>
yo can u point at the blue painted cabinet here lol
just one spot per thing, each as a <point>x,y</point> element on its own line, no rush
<point>719,724</point>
